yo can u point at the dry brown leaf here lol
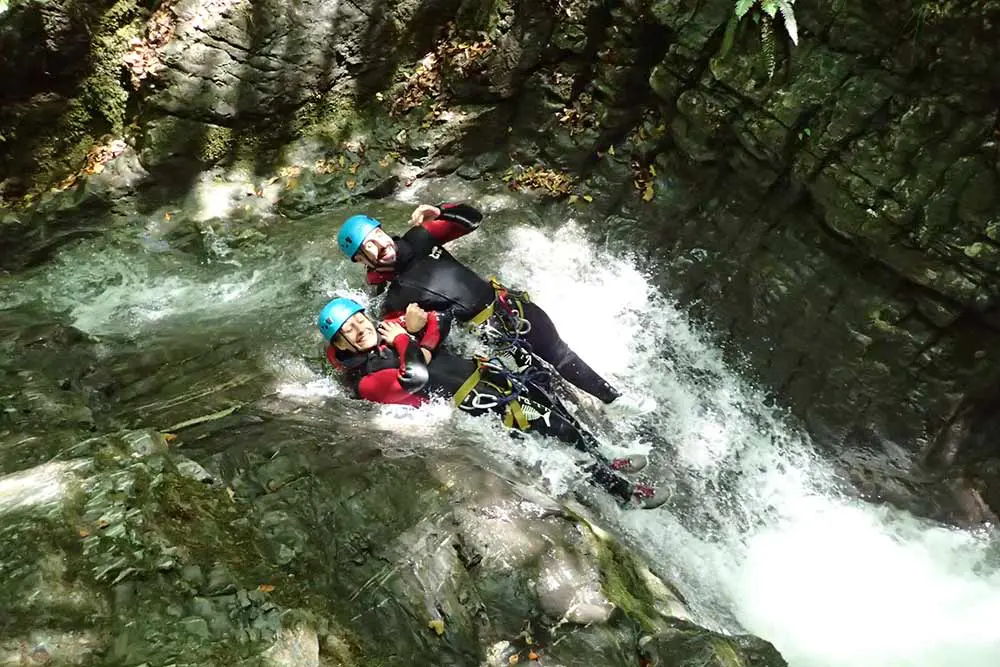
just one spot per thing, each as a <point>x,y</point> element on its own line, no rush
<point>265,588</point>
<point>350,183</point>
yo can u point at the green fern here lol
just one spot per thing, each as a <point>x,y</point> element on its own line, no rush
<point>772,8</point>
<point>769,45</point>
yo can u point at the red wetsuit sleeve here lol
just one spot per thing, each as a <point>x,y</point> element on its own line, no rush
<point>456,220</point>
<point>397,386</point>
<point>431,335</point>
<point>430,338</point>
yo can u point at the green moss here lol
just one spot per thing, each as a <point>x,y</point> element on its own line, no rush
<point>216,144</point>
<point>726,653</point>
<point>974,250</point>
<point>330,118</point>
<point>623,585</point>
<point>98,105</point>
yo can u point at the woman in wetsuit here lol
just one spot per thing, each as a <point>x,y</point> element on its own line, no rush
<point>401,361</point>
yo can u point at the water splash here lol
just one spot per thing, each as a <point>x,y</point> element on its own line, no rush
<point>757,533</point>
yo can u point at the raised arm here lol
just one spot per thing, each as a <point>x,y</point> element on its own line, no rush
<point>449,221</point>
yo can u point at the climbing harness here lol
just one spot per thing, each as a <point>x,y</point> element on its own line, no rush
<point>503,325</point>
<point>510,391</point>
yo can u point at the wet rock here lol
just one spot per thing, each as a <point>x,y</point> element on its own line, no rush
<point>436,558</point>
<point>686,645</point>
<point>298,647</point>
<point>42,647</point>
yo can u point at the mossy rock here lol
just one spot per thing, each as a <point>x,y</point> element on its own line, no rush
<point>688,645</point>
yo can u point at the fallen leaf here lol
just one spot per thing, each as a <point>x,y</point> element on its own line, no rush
<point>652,170</point>
<point>437,625</point>
<point>84,532</point>
<point>588,198</point>
<point>167,215</point>
<point>574,198</point>
<point>514,659</point>
<point>169,437</point>
<point>611,150</point>
<point>350,183</point>
<point>265,588</point>
<point>647,195</point>
<point>231,493</point>
<point>532,655</point>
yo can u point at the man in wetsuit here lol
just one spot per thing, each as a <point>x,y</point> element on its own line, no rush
<point>415,268</point>
<point>401,361</point>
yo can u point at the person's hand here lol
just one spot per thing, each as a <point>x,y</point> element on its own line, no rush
<point>424,213</point>
<point>415,318</point>
<point>389,330</point>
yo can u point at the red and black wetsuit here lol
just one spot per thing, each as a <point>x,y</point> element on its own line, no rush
<point>428,275</point>
<point>398,374</point>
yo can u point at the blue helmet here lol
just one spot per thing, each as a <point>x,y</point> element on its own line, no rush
<point>334,314</point>
<point>354,232</point>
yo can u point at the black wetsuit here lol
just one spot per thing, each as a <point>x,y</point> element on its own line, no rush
<point>447,372</point>
<point>428,275</point>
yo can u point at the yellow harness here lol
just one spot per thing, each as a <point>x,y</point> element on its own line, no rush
<point>513,414</point>
<point>515,302</point>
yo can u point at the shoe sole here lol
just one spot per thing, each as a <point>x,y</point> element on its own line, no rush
<point>641,463</point>
<point>650,503</point>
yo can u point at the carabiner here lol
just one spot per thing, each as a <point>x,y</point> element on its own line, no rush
<point>483,402</point>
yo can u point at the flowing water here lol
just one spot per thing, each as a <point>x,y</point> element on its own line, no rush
<point>758,533</point>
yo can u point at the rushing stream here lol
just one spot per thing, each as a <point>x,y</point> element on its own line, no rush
<point>758,534</point>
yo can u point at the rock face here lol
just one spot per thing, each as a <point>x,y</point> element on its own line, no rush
<point>256,539</point>
<point>830,208</point>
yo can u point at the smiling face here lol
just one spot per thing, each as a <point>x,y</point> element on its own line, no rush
<point>357,335</point>
<point>378,250</point>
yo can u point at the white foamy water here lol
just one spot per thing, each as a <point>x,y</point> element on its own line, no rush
<point>771,546</point>
<point>756,534</point>
<point>831,581</point>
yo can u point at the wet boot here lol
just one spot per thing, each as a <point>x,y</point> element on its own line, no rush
<point>646,497</point>
<point>628,465</point>
<point>631,494</point>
